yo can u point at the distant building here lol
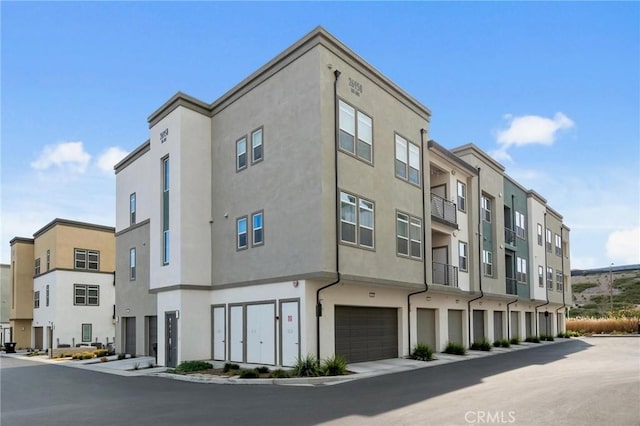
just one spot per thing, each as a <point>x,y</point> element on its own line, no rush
<point>5,303</point>
<point>63,289</point>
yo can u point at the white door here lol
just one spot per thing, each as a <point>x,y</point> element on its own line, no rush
<point>219,333</point>
<point>290,333</point>
<point>236,328</point>
<point>261,333</point>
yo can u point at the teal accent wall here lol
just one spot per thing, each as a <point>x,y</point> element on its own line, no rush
<point>516,199</point>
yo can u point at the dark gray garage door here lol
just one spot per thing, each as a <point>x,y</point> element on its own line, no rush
<point>366,334</point>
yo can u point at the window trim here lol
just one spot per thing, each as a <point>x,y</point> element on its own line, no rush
<point>521,270</point>
<point>486,207</point>
<point>246,153</point>
<point>47,295</point>
<point>460,184</point>
<point>87,262</point>
<point>36,299</point>
<point>36,267</point>
<point>133,259</point>
<point>133,208</point>
<point>559,280</point>
<point>48,260</point>
<point>548,240</point>
<point>549,278</point>
<point>465,257</point>
<point>357,224</point>
<point>246,232</point>
<point>408,238</point>
<point>253,229</point>
<point>520,225</point>
<point>558,244</point>
<point>487,260</point>
<point>166,224</point>
<point>86,288</point>
<point>89,327</point>
<point>540,276</point>
<point>253,132</point>
<point>356,137</point>
<point>407,160</point>
<point>540,234</point>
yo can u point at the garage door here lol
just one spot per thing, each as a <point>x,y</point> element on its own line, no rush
<point>366,334</point>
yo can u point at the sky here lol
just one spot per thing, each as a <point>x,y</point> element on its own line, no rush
<point>550,90</point>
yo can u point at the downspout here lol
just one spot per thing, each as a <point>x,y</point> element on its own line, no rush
<point>424,239</point>
<point>479,257</point>
<point>564,305</point>
<point>546,283</point>
<point>336,74</point>
<point>509,319</point>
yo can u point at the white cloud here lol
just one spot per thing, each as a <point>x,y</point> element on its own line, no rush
<point>501,155</point>
<point>109,158</point>
<point>623,246</point>
<point>68,157</point>
<point>532,129</point>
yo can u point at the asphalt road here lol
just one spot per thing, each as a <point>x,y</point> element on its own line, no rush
<point>593,381</point>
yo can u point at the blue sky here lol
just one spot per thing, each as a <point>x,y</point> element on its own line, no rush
<point>552,90</point>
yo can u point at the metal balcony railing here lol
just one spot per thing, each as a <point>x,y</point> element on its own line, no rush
<point>510,237</point>
<point>444,209</point>
<point>512,286</point>
<point>444,274</point>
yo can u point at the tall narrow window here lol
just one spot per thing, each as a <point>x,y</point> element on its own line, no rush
<point>548,240</point>
<point>166,185</point>
<point>463,256</point>
<point>241,232</point>
<point>347,218</point>
<point>558,245</point>
<point>521,266</point>
<point>86,332</point>
<point>407,162</point>
<point>401,157</point>
<point>132,209</point>
<point>356,132</point>
<point>559,280</point>
<point>347,118</point>
<point>366,223</point>
<point>487,261</point>
<point>520,225</point>
<point>93,260</point>
<point>486,208</point>
<point>47,295</point>
<point>415,232</point>
<point>357,220</point>
<point>550,278</point>
<point>414,164</point>
<point>540,276</point>
<point>462,196</point>
<point>365,137</point>
<point>36,299</point>
<point>132,264</point>
<point>241,154</point>
<point>48,260</point>
<point>36,267</point>
<point>256,146</point>
<point>258,229</point>
<point>402,233</point>
<point>539,234</point>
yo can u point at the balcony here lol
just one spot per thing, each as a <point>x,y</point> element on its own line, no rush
<point>444,210</point>
<point>512,286</point>
<point>509,237</point>
<point>444,274</point>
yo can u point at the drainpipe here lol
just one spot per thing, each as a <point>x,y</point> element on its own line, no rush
<point>546,285</point>
<point>564,305</point>
<point>479,257</point>
<point>424,239</point>
<point>336,74</point>
<point>509,319</point>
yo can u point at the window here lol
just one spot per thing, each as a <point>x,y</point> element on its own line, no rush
<point>256,146</point>
<point>408,235</point>
<point>550,278</point>
<point>559,280</point>
<point>558,240</point>
<point>241,232</point>
<point>86,295</point>
<point>539,234</point>
<point>463,256</point>
<point>36,268</point>
<point>241,154</point>
<point>520,226</point>
<point>48,260</point>
<point>132,264</point>
<point>356,220</point>
<point>87,259</point>
<point>47,296</point>
<point>540,276</point>
<point>258,228</point>
<point>166,186</point>
<point>487,261</point>
<point>486,209</point>
<point>86,332</point>
<point>521,268</point>
<point>132,209</point>
<point>462,196</point>
<point>355,126</point>
<point>36,299</point>
<point>407,160</point>
<point>548,240</point>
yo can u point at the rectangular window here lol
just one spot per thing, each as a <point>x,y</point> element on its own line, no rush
<point>487,261</point>
<point>87,259</point>
<point>166,186</point>
<point>414,164</point>
<point>539,234</point>
<point>357,220</point>
<point>415,232</point>
<point>241,232</point>
<point>36,268</point>
<point>521,268</point>
<point>401,157</point>
<point>462,196</point>
<point>132,264</point>
<point>241,154</point>
<point>520,225</point>
<point>559,280</point>
<point>540,276</point>
<point>548,240</point>
<point>47,296</point>
<point>257,229</point>
<point>402,233</point>
<point>486,209</point>
<point>407,160</point>
<point>256,146</point>
<point>36,299</point>
<point>463,256</point>
<point>408,235</point>
<point>86,332</point>
<point>86,295</point>
<point>558,240</point>
<point>355,126</point>
<point>550,278</point>
<point>132,209</point>
<point>48,260</point>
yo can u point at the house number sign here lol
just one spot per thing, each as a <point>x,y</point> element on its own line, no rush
<point>356,88</point>
<point>163,135</point>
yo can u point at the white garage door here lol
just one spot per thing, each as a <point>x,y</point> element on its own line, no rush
<point>261,334</point>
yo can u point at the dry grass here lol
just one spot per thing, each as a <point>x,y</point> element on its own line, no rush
<point>603,325</point>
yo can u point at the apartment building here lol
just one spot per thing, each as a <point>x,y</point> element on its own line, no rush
<point>62,283</point>
<point>306,211</point>
<point>5,300</point>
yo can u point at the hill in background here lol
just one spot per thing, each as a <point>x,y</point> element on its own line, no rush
<point>593,296</point>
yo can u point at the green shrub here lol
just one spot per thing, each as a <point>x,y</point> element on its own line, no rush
<point>121,356</point>
<point>191,366</point>
<point>515,341</point>
<point>262,369</point>
<point>548,338</point>
<point>249,374</point>
<point>504,343</point>
<point>455,349</point>
<point>279,374</point>
<point>101,352</point>
<point>532,339</point>
<point>306,367</point>
<point>334,366</point>
<point>482,345</point>
<point>229,366</point>
<point>422,352</point>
